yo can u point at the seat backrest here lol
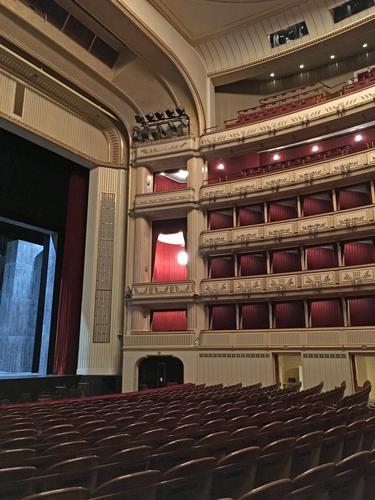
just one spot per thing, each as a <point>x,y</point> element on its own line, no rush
<point>128,482</point>
<point>271,491</point>
<point>176,445</point>
<point>246,455</point>
<point>130,455</point>
<point>13,458</point>
<point>14,474</point>
<point>73,465</point>
<point>355,461</point>
<point>191,468</point>
<point>73,493</point>
<point>319,474</point>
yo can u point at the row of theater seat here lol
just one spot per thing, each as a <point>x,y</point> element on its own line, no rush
<point>215,428</point>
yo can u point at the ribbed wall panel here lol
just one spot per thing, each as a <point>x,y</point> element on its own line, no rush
<point>331,367</point>
<point>59,124</point>
<point>103,358</point>
<point>7,93</point>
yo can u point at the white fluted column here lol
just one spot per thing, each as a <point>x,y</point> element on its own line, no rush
<point>102,312</point>
<point>143,180</point>
<point>140,319</point>
<point>142,251</point>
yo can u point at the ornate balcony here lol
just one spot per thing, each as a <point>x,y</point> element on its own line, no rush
<point>176,291</point>
<point>319,228</point>
<point>291,181</point>
<point>300,284</point>
<point>166,200</point>
<point>162,340</point>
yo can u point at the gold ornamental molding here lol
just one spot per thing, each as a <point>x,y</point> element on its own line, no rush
<point>292,180</point>
<point>159,341</point>
<point>342,224</point>
<point>155,292</point>
<point>324,112</point>
<point>167,200</point>
<point>166,152</point>
<point>300,284</point>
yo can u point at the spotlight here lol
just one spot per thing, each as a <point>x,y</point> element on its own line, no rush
<point>220,166</point>
<point>164,129</point>
<point>145,134</point>
<point>301,66</point>
<point>136,134</point>
<point>155,132</point>
<point>272,75</point>
<point>332,56</point>
<point>180,110</point>
<point>365,45</point>
<point>358,138</point>
<point>159,115</point>
<point>140,119</point>
<point>150,117</point>
<point>315,149</point>
<point>172,126</point>
<point>276,157</point>
<point>169,112</point>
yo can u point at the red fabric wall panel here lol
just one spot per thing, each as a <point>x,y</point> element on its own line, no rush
<point>166,266</point>
<point>321,258</point>
<point>315,206</point>
<point>248,217</point>
<point>357,253</point>
<point>222,267</point>
<point>361,311</point>
<point>278,211</point>
<point>284,262</point>
<point>163,183</point>
<point>255,316</point>
<point>251,265</point>
<point>352,199</point>
<point>168,321</point>
<point>289,315</point>
<point>223,317</point>
<point>218,220</point>
<point>69,313</point>
<point>326,313</point>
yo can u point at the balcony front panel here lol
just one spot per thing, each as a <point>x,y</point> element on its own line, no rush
<point>320,175</point>
<point>166,200</point>
<point>343,108</point>
<point>164,340</point>
<point>316,228</point>
<point>168,153</point>
<point>176,291</point>
<point>308,338</point>
<point>303,283</point>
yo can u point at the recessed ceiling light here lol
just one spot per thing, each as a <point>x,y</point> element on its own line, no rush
<point>301,66</point>
<point>365,45</point>
<point>358,137</point>
<point>315,148</point>
<point>220,166</point>
<point>332,56</point>
<point>272,75</point>
<point>276,157</point>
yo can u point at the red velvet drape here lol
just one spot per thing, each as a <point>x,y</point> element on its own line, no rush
<point>321,257</point>
<point>285,262</point>
<point>255,316</point>
<point>219,220</point>
<point>168,321</point>
<point>326,313</point>
<point>361,311</point>
<point>166,227</point>
<point>249,216</point>
<point>163,183</point>
<point>280,211</point>
<point>251,265</point>
<point>69,312</point>
<point>359,252</point>
<point>352,199</point>
<point>315,206</point>
<point>223,317</point>
<point>166,266</point>
<point>289,315</point>
<point>222,267</point>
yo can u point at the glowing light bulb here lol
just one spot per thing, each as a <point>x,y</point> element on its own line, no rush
<point>315,148</point>
<point>182,258</point>
<point>220,166</point>
<point>276,157</point>
<point>358,137</point>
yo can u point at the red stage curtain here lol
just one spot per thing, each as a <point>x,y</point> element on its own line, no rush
<point>326,313</point>
<point>223,317</point>
<point>285,262</point>
<point>250,216</point>
<point>251,265</point>
<point>321,258</point>
<point>168,321</point>
<point>255,316</point>
<point>315,206</point>
<point>219,220</point>
<point>69,312</point>
<point>289,315</point>
<point>362,311</point>
<point>279,211</point>
<point>358,252</point>
<point>222,267</point>
<point>171,226</point>
<point>163,183</point>
<point>352,199</point>
<point>166,266</point>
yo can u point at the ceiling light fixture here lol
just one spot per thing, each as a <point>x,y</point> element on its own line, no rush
<point>276,157</point>
<point>272,75</point>
<point>358,137</point>
<point>365,45</point>
<point>301,66</point>
<point>220,166</point>
<point>315,148</point>
<point>332,56</point>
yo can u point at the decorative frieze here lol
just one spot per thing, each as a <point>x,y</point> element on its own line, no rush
<point>292,180</point>
<point>298,283</point>
<point>260,235</point>
<point>148,201</point>
<point>149,291</point>
<point>180,149</point>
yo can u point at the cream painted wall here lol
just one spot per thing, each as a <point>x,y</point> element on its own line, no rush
<point>365,367</point>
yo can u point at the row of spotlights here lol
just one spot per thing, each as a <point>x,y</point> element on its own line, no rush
<point>160,115</point>
<point>332,56</point>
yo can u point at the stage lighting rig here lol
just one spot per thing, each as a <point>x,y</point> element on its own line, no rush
<point>158,125</point>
